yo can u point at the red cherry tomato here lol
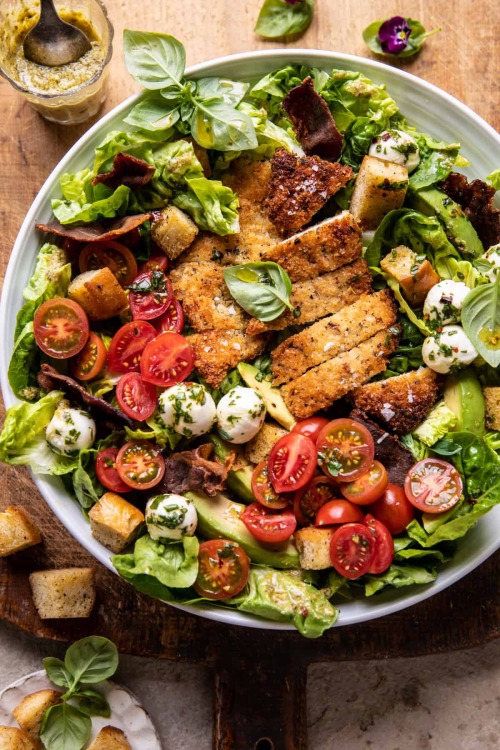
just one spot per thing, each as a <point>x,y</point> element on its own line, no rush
<point>384,546</point>
<point>433,485</point>
<point>345,449</point>
<point>118,258</point>
<point>91,360</point>
<point>136,398</point>
<point>393,509</point>
<point>308,500</point>
<point>268,525</point>
<point>140,464</point>
<point>352,550</point>
<point>223,569</point>
<point>150,295</point>
<point>368,487</point>
<point>310,427</point>
<point>264,491</point>
<point>157,262</point>
<point>60,327</point>
<point>172,319</point>
<point>127,346</point>
<point>292,462</point>
<point>106,472</point>
<point>335,512</point>
<point>167,360</point>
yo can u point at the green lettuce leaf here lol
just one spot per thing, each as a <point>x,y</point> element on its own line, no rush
<point>437,160</point>
<point>173,564</point>
<point>160,433</point>
<point>212,205</point>
<point>86,486</point>
<point>69,212</point>
<point>398,576</point>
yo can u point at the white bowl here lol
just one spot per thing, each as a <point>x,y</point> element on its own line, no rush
<point>431,111</point>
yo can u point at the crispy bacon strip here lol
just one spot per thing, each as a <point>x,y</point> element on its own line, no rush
<point>127,170</point>
<point>476,199</point>
<point>313,121</point>
<point>96,231</point>
<point>193,470</point>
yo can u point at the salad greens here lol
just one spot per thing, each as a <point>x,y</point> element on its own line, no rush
<point>279,18</point>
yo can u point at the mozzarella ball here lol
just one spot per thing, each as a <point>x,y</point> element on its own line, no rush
<point>492,256</point>
<point>70,431</point>
<point>443,303</point>
<point>396,146</point>
<point>188,408</point>
<point>170,517</point>
<point>448,350</point>
<point>240,414</point>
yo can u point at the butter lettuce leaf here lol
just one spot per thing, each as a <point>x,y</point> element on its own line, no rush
<point>212,205</point>
<point>173,564</point>
<point>116,204</point>
<point>399,576</point>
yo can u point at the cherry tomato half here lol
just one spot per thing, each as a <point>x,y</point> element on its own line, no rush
<point>339,511</point>
<point>140,464</point>
<point>118,258</point>
<point>127,346</point>
<point>384,545</point>
<point>310,427</point>
<point>155,262</point>
<point>292,462</point>
<point>61,327</point>
<point>106,472</point>
<point>308,500</point>
<point>267,525</point>
<point>150,295</point>
<point>345,449</point>
<point>368,487</point>
<point>223,569</point>
<point>393,509</point>
<point>433,485</point>
<point>136,398</point>
<point>167,360</point>
<point>91,360</point>
<point>264,491</point>
<point>172,319</point>
<point>352,550</point>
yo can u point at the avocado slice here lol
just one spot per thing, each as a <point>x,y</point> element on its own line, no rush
<point>434,202</point>
<point>273,399</point>
<point>463,395</point>
<point>239,480</point>
<point>219,518</point>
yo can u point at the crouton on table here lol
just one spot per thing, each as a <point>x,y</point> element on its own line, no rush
<point>17,531</point>
<point>12,738</point>
<point>110,738</point>
<point>29,712</point>
<point>64,593</point>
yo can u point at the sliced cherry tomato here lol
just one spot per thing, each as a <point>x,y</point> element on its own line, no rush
<point>292,462</point>
<point>223,569</point>
<point>167,360</point>
<point>91,360</point>
<point>127,346</point>
<point>155,263</point>
<point>310,427</point>
<point>368,487</point>
<point>106,471</point>
<point>433,485</point>
<point>308,500</point>
<point>264,491</point>
<point>118,258</point>
<point>140,464</point>
<point>393,509</point>
<point>384,545</point>
<point>61,327</point>
<point>136,398</point>
<point>345,449</point>
<point>271,526</point>
<point>172,319</point>
<point>352,550</point>
<point>150,295</point>
<point>338,511</point>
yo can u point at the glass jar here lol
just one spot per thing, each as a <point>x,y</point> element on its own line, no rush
<point>67,94</point>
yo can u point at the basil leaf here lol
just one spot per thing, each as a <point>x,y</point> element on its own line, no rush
<point>417,37</point>
<point>153,113</point>
<point>56,671</point>
<point>231,92</point>
<point>279,18</point>
<point>481,320</point>
<point>91,659</point>
<point>65,727</point>
<point>218,125</point>
<point>261,289</point>
<point>154,60</point>
<point>446,447</point>
<point>93,703</point>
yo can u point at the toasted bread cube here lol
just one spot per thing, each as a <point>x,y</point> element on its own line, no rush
<point>380,187</point>
<point>29,712</point>
<point>258,448</point>
<point>174,231</point>
<point>110,738</point>
<point>313,544</point>
<point>12,738</point>
<point>492,403</point>
<point>415,275</point>
<point>99,293</point>
<point>115,522</point>
<point>64,593</point>
<point>17,531</point>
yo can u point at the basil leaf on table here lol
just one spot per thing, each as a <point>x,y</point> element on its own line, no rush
<point>93,703</point>
<point>261,289</point>
<point>154,60</point>
<point>57,672</point>
<point>92,659</point>
<point>65,727</point>
<point>481,320</point>
<point>278,18</point>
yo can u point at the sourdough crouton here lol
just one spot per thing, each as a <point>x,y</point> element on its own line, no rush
<point>17,531</point>
<point>217,352</point>
<point>12,738</point>
<point>110,738</point>
<point>173,231</point>
<point>414,273</point>
<point>64,593</point>
<point>115,522</point>
<point>313,544</point>
<point>401,402</point>
<point>380,187</point>
<point>99,293</point>
<point>29,712</point>
<point>258,448</point>
<point>492,403</point>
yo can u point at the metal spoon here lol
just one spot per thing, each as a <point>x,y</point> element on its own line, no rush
<point>52,41</point>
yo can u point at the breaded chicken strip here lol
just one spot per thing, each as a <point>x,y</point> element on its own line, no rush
<point>217,352</point>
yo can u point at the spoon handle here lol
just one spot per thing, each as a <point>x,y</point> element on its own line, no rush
<point>48,13</point>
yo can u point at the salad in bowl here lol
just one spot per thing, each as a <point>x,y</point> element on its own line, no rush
<point>255,364</point>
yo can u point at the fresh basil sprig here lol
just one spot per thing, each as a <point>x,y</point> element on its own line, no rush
<point>261,289</point>
<point>278,18</point>
<point>207,108</point>
<point>67,726</point>
<point>481,320</point>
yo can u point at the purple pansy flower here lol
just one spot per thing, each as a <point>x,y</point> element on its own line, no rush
<point>393,35</point>
<point>293,2</point>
